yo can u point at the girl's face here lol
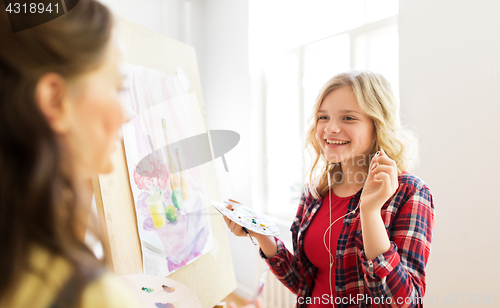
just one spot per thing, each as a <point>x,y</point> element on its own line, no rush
<point>95,116</point>
<point>344,132</point>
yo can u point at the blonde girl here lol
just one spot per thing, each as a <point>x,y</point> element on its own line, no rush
<point>363,229</point>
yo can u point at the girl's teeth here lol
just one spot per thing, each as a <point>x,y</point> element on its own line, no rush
<point>336,142</point>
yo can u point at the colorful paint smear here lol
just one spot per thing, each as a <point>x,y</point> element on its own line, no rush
<point>148,290</point>
<point>168,289</point>
<point>166,305</point>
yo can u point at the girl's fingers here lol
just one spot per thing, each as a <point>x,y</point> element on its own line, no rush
<point>384,160</point>
<point>233,226</point>
<point>372,171</point>
<point>390,171</point>
<point>373,164</point>
<point>236,229</point>
<point>386,181</point>
<point>230,224</point>
<point>382,168</point>
<point>384,178</point>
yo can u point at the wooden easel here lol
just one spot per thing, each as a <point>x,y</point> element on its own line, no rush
<point>211,277</point>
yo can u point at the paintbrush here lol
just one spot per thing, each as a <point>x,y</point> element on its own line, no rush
<point>260,286</point>
<point>248,233</point>
<point>177,198</point>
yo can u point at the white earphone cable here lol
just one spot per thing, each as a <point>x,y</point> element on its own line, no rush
<point>331,258</point>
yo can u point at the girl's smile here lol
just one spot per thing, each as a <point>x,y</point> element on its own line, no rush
<point>334,143</point>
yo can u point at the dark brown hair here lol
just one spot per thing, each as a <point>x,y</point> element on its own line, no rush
<point>38,200</point>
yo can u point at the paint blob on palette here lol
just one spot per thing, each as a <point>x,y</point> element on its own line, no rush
<point>166,305</point>
<point>168,289</point>
<point>246,217</point>
<point>147,290</point>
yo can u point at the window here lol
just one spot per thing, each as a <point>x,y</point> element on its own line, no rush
<point>293,78</point>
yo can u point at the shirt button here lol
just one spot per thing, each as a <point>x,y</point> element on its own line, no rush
<point>370,263</point>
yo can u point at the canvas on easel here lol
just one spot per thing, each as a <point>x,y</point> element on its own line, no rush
<point>150,204</point>
<point>170,197</point>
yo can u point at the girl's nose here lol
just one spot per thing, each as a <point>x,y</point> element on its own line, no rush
<point>332,128</point>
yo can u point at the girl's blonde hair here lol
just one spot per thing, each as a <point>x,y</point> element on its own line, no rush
<point>375,98</point>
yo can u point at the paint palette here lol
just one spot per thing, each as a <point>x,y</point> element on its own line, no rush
<point>245,217</point>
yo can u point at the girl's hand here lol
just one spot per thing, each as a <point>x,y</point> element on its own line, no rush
<point>381,184</point>
<point>234,227</point>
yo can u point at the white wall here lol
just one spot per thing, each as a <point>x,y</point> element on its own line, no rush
<point>449,81</point>
<point>220,37</point>
<point>167,17</point>
<point>146,13</point>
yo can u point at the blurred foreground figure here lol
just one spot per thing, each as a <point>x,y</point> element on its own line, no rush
<point>59,120</point>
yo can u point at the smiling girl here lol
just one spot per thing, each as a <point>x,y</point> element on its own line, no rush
<point>363,230</point>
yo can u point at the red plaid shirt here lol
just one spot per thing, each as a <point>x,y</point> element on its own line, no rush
<point>395,278</point>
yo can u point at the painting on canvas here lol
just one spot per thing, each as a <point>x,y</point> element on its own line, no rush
<point>170,200</point>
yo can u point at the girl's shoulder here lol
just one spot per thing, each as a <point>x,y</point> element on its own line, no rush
<point>109,291</point>
<point>40,281</point>
<point>411,187</point>
<point>411,181</point>
<point>310,186</point>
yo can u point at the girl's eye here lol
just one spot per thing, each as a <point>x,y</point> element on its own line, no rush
<point>322,118</point>
<point>349,118</point>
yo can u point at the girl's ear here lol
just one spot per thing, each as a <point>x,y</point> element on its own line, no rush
<point>50,98</point>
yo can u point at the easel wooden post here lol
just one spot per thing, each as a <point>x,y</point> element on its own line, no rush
<point>211,277</point>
